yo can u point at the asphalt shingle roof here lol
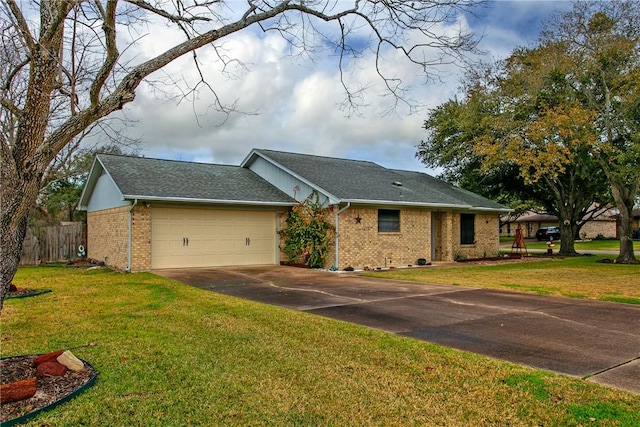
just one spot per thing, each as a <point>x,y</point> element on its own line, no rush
<point>154,178</point>
<point>351,180</point>
<point>347,180</point>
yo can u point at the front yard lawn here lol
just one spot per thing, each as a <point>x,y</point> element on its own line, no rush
<point>172,355</point>
<point>578,277</point>
<point>585,246</point>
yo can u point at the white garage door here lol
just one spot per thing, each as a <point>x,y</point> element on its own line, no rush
<point>211,238</point>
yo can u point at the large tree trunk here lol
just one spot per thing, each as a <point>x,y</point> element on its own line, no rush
<point>623,178</point>
<point>10,250</point>
<point>624,194</point>
<point>26,159</point>
<point>625,230</point>
<point>567,238</point>
<point>569,206</point>
<point>17,198</point>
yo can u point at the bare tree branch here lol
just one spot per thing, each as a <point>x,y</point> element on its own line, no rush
<point>160,12</point>
<point>109,28</point>
<point>53,18</point>
<point>22,25</point>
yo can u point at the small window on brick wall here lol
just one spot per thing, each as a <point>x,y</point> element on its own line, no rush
<point>388,220</point>
<point>467,229</point>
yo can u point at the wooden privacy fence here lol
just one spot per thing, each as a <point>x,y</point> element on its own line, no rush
<point>55,243</point>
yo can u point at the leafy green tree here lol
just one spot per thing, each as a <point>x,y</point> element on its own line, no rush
<point>602,41</point>
<point>497,141</point>
<point>544,130</point>
<point>565,113</point>
<point>61,198</point>
<point>451,129</point>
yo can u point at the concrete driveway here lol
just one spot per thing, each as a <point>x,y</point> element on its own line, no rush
<point>588,339</point>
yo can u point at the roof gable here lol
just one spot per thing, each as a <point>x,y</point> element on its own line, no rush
<point>169,180</point>
<point>100,182</point>
<point>368,182</point>
<point>342,178</point>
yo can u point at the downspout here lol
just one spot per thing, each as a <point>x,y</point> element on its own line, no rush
<point>337,232</point>
<point>129,250</point>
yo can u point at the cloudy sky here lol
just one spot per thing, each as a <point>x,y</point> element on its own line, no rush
<point>294,104</point>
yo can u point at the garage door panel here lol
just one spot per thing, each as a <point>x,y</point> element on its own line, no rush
<point>215,237</point>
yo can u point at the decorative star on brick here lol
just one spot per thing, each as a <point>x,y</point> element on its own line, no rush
<point>358,220</point>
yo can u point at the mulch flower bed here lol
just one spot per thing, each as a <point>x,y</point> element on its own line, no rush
<point>50,389</point>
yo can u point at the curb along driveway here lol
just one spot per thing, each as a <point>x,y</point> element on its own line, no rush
<point>588,339</point>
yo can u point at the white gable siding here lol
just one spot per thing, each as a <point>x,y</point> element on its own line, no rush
<point>284,181</point>
<point>105,195</point>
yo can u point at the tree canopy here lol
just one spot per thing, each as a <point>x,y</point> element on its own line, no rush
<point>603,41</point>
<point>564,114</point>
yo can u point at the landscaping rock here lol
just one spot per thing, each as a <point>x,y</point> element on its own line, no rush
<point>13,288</point>
<point>18,390</point>
<point>52,369</point>
<point>70,361</point>
<point>49,357</point>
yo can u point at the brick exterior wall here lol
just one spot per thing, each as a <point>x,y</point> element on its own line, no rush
<point>608,228</point>
<point>592,229</point>
<point>362,246</point>
<point>108,236</point>
<point>141,239</point>
<point>447,239</point>
<point>486,237</point>
<point>528,228</point>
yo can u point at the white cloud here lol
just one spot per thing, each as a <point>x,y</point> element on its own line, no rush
<point>297,101</point>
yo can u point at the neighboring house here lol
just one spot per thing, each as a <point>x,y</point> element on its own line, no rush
<point>145,214</point>
<point>603,225</point>
<point>529,222</point>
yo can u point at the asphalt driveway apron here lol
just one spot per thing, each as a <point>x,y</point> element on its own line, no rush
<point>588,339</point>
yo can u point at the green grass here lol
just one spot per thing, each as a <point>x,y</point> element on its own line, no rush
<point>577,277</point>
<point>173,355</point>
<point>593,245</point>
